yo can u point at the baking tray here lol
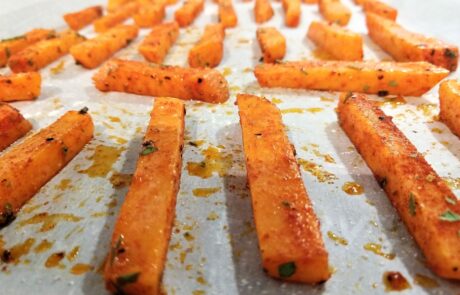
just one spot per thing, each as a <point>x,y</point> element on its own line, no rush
<point>213,249</point>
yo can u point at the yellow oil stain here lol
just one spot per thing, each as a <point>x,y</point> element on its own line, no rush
<point>395,281</point>
<point>189,237</point>
<point>321,54</point>
<point>226,72</point>
<point>235,88</point>
<point>214,162</point>
<point>427,109</point>
<point>317,170</point>
<point>326,99</point>
<point>30,209</point>
<point>243,41</point>
<point>64,184</point>
<point>437,130</point>
<point>353,188</point>
<point>393,101</point>
<point>44,245</point>
<point>453,183</point>
<point>337,239</point>
<point>205,192</point>
<point>425,282</point>
<point>276,100</point>
<point>99,214</point>
<point>118,139</point>
<point>377,249</point>
<point>201,280</point>
<point>301,111</point>
<point>103,159</point>
<point>247,70</point>
<point>212,216</point>
<point>81,268</point>
<point>58,68</point>
<point>112,204</point>
<point>73,253</point>
<point>119,180</point>
<point>54,260</point>
<point>326,157</point>
<point>198,292</point>
<point>17,251</point>
<point>49,221</point>
<point>114,119</point>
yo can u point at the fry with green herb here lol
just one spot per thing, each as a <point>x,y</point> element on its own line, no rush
<point>12,125</point>
<point>156,45</point>
<point>143,229</point>
<point>208,51</point>
<point>422,199</point>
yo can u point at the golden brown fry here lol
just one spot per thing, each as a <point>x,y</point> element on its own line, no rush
<point>189,11</point>
<point>41,54</point>
<point>449,99</point>
<point>94,52</point>
<point>272,44</point>
<point>335,11</point>
<point>80,19</point>
<point>263,11</point>
<point>403,45</point>
<point>382,78</point>
<point>11,46</point>
<point>21,86</point>
<point>143,229</point>
<point>227,14</point>
<point>292,12</point>
<point>341,43</point>
<point>157,43</point>
<point>116,17</point>
<point>288,230</point>
<point>423,201</point>
<point>113,5</point>
<point>150,15</point>
<point>380,8</point>
<point>208,51</point>
<point>12,125</point>
<point>146,79</point>
<point>28,166</point>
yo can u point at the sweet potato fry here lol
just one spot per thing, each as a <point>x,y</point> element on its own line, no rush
<point>116,17</point>
<point>40,54</point>
<point>26,167</point>
<point>449,100</point>
<point>382,78</point>
<point>146,79</point>
<point>208,51</point>
<point>423,201</point>
<point>227,14</point>
<point>158,42</point>
<point>263,11</point>
<point>80,19</point>
<point>311,1</point>
<point>150,15</point>
<point>360,2</point>
<point>143,229</point>
<point>380,8</point>
<point>339,42</point>
<point>113,5</point>
<point>12,125</point>
<point>11,46</point>
<point>288,230</point>
<point>335,11</point>
<point>21,86</point>
<point>190,10</point>
<point>272,44</point>
<point>292,12</point>
<point>403,45</point>
<point>94,52</point>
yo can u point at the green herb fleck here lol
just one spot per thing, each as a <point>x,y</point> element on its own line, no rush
<point>128,278</point>
<point>366,88</point>
<point>383,182</point>
<point>451,200</point>
<point>412,204</point>
<point>393,83</point>
<point>148,148</point>
<point>286,270</point>
<point>450,53</point>
<point>449,216</point>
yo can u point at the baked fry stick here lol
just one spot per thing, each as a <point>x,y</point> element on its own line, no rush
<point>146,79</point>
<point>208,51</point>
<point>227,14</point>
<point>190,10</point>
<point>11,46</point>
<point>158,42</point>
<point>403,45</point>
<point>149,15</point>
<point>80,19</point>
<point>423,201</point>
<point>341,43</point>
<point>41,54</point>
<point>292,12</point>
<point>21,86</point>
<point>449,101</point>
<point>12,125</point>
<point>94,52</point>
<point>380,8</point>
<point>272,44</point>
<point>263,11</point>
<point>382,78</point>
<point>143,229</point>
<point>28,166</point>
<point>116,17</point>
<point>113,5</point>
<point>335,11</point>
<point>288,230</point>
